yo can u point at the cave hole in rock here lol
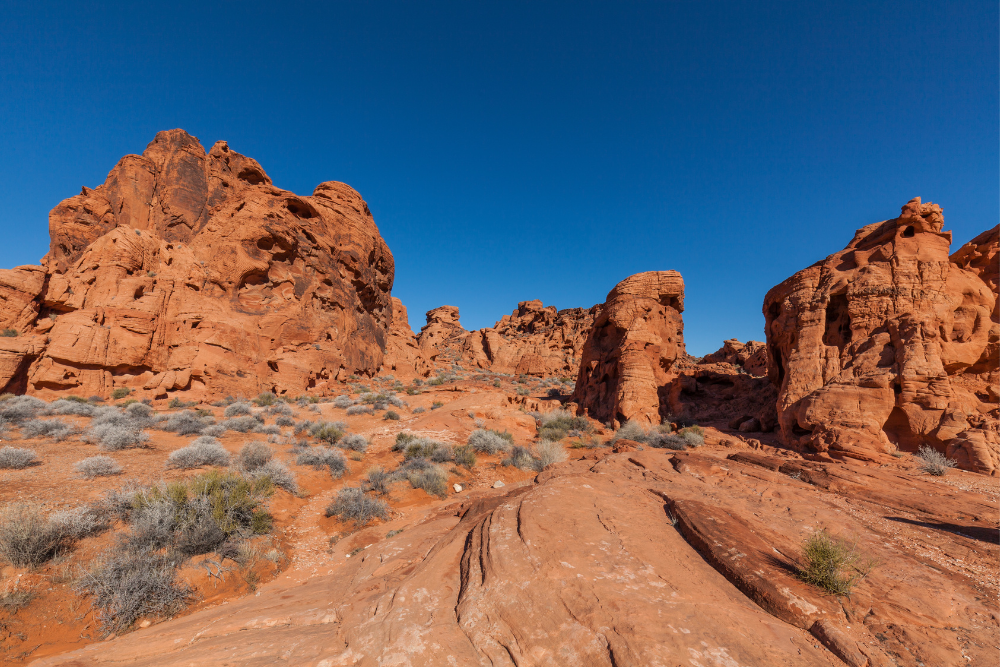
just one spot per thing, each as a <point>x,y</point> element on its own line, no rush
<point>838,322</point>
<point>299,208</point>
<point>909,232</point>
<point>139,291</point>
<point>254,278</point>
<point>800,430</point>
<point>251,176</point>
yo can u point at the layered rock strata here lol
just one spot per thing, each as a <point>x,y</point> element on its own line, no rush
<point>629,357</point>
<point>189,270</point>
<point>890,344</point>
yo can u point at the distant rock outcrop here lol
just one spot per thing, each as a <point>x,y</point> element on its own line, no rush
<point>629,355</point>
<point>890,344</point>
<point>750,356</point>
<point>403,355</point>
<point>191,271</point>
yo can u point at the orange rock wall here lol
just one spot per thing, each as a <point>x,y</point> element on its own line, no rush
<point>191,271</point>
<point>889,344</point>
<point>629,355</point>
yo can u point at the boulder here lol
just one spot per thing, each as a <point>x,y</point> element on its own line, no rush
<point>629,356</point>
<point>890,344</point>
<point>189,270</point>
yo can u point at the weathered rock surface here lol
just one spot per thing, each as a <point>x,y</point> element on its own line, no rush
<point>890,344</point>
<point>191,271</point>
<point>403,354</point>
<point>750,356</point>
<point>629,356</point>
<point>533,340</point>
<point>697,567</point>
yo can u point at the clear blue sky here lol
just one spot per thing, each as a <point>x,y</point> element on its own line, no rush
<point>539,150</point>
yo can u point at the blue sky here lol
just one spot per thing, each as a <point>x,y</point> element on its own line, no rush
<point>540,150</point>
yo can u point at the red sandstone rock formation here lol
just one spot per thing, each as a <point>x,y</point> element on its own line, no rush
<point>533,340</point>
<point>629,356</point>
<point>889,344</point>
<point>191,271</point>
<point>750,356</point>
<point>403,355</point>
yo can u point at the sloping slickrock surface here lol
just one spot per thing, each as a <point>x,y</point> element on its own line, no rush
<point>890,344</point>
<point>629,356</point>
<point>191,271</point>
<point>696,568</point>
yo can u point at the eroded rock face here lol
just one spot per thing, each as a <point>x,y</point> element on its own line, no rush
<point>191,271</point>
<point>890,344</point>
<point>403,355</point>
<point>533,340</point>
<point>750,356</point>
<point>629,355</point>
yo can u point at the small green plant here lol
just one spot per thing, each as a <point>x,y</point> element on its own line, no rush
<point>120,392</point>
<point>393,533</point>
<point>265,399</point>
<point>832,563</point>
<point>522,391</point>
<point>391,415</point>
<point>9,333</point>
<point>496,383</point>
<point>328,433</point>
<point>437,404</point>
<point>465,456</point>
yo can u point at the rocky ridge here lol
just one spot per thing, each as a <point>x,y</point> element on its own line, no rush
<point>190,271</point>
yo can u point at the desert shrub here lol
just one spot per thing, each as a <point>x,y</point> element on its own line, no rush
<point>15,458</point>
<point>78,523</point>
<point>265,399</point>
<point>120,392</point>
<point>431,479</point>
<point>391,416</point>
<point>278,474</point>
<point>412,391</point>
<point>934,462</point>
<point>549,452</point>
<point>269,429</point>
<point>66,406</point>
<point>522,391</point>
<point>377,480</point>
<point>203,451</point>
<point>435,382</point>
<point>237,409</point>
<point>465,455</point>
<point>176,402</point>
<point>417,411</point>
<point>280,409</point>
<point>183,423</point>
<point>520,457</point>
<point>214,430</point>
<point>669,440</point>
<point>427,449</point>
<point>16,409</point>
<point>131,584</point>
<point>402,439</point>
<point>8,333</point>
<point>284,420</point>
<point>321,457</point>
<point>97,466</point>
<point>354,442</point>
<point>27,537</point>
<point>353,504</point>
<point>343,402</point>
<point>437,404</point>
<point>253,455</point>
<point>113,430</point>
<point>489,441</point>
<point>631,430</point>
<point>328,432</point>
<point>360,410</point>
<point>557,424</point>
<point>554,392</point>
<point>243,424</point>
<point>693,436</point>
<point>832,563</point>
<point>303,426</point>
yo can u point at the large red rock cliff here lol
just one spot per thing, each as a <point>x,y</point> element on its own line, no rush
<point>191,271</point>
<point>890,344</point>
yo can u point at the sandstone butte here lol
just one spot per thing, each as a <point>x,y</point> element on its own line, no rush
<point>189,274</point>
<point>891,344</point>
<point>191,271</point>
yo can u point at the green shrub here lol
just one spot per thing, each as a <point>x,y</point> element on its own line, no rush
<point>832,563</point>
<point>437,404</point>
<point>353,504</point>
<point>8,333</point>
<point>522,391</point>
<point>265,398</point>
<point>27,537</point>
<point>120,392</point>
<point>391,415</point>
<point>432,480</point>
<point>465,456</point>
<point>378,480</point>
<point>330,433</point>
